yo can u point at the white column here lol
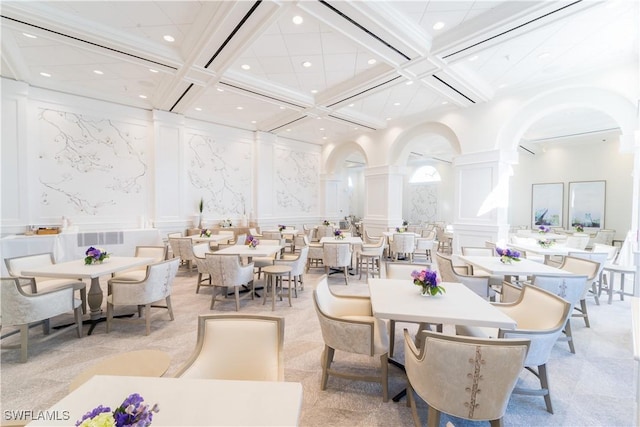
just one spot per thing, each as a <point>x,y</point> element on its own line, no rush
<point>264,199</point>
<point>330,194</point>
<point>383,187</point>
<point>482,197</point>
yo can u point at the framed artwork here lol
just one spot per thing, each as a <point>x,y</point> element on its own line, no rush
<point>586,204</point>
<point>546,204</point>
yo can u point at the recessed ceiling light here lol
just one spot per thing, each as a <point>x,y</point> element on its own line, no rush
<point>245,66</point>
<point>438,25</point>
<point>321,128</point>
<point>409,83</point>
<point>297,20</point>
<point>445,102</point>
<point>239,108</point>
<point>153,70</point>
<point>502,86</point>
<point>319,118</point>
<point>351,105</point>
<point>388,118</point>
<point>219,89</point>
<point>198,109</point>
<point>306,64</point>
<point>98,72</point>
<point>371,61</point>
<point>43,74</point>
<point>544,55</point>
<point>314,91</point>
<point>143,96</point>
<point>355,128</point>
<point>288,130</point>
<point>31,36</point>
<point>473,58</point>
<point>169,38</point>
<point>282,107</point>
<point>396,103</point>
<point>253,122</point>
<point>324,137</point>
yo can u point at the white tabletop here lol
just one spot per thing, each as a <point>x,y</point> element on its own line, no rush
<point>554,249</point>
<point>524,267</point>
<point>244,250</point>
<point>78,269</point>
<point>391,233</point>
<point>401,300</point>
<point>189,402</point>
<point>354,240</point>
<point>534,234</point>
<point>212,238</point>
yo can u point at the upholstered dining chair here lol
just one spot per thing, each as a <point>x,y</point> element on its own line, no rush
<point>298,266</point>
<point>337,256</point>
<point>403,243</point>
<point>369,255</point>
<point>21,309</point>
<point>184,249</point>
<point>16,265</point>
<point>156,286</point>
<point>237,347</point>
<point>542,331</point>
<point>348,325</point>
<point>469,378</point>
<point>158,253</point>
<point>589,268</point>
<point>226,272</point>
<point>450,273</point>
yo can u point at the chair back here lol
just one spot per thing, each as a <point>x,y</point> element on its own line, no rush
<point>445,268</point>
<point>428,233</point>
<point>336,254</point>
<point>253,232</point>
<point>543,331</point>
<point>158,253</point>
<point>298,264</point>
<point>571,288</point>
<point>478,251</point>
<point>611,251</point>
<point>470,378</point>
<point>580,265</point>
<point>20,308</point>
<point>241,238</point>
<point>604,236</point>
<point>155,286</point>
<point>324,231</point>
<point>272,235</point>
<point>400,270</point>
<point>577,241</point>
<point>490,244</point>
<point>15,265</point>
<point>226,270</point>
<point>237,347</point>
<point>403,243</point>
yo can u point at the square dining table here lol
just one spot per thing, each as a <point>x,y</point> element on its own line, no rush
<point>553,250</point>
<point>186,401</point>
<point>246,252</point>
<point>214,238</point>
<point>77,269</point>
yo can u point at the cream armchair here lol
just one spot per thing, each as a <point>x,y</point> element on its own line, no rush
<point>589,268</point>
<point>184,249</point>
<point>237,347</point>
<point>337,256</point>
<point>154,287</point>
<point>403,243</point>
<point>347,324</point>
<point>158,253</point>
<point>226,272</point>
<point>469,378</point>
<point>449,273</point>
<point>21,309</point>
<point>298,266</point>
<point>16,265</point>
<point>542,331</point>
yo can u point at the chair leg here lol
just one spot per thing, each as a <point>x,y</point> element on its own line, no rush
<point>24,343</point>
<point>83,298</point>
<point>384,376</point>
<point>78,318</point>
<point>392,334</point>
<point>594,291</point>
<point>433,416</point>
<point>544,383</point>
<point>198,283</point>
<point>583,307</point>
<point>411,402</point>
<point>109,316</point>
<point>169,307</point>
<point>496,423</point>
<point>346,275</point>
<point>327,358</point>
<point>236,294</point>
<point>147,318</point>
<point>569,334</point>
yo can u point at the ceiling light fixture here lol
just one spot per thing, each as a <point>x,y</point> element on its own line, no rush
<point>288,130</point>
<point>198,109</point>
<point>438,25</point>
<point>314,91</point>
<point>245,66</point>
<point>219,89</point>
<point>282,107</point>
<point>351,105</point>
<point>31,36</point>
<point>297,20</point>
<point>43,74</point>
<point>371,61</point>
<point>409,83</point>
<point>239,108</point>
<point>445,102</point>
<point>153,70</point>
<point>98,72</point>
<point>544,55</point>
<point>473,58</point>
<point>324,137</point>
<point>306,64</point>
<point>253,122</point>
<point>143,96</point>
<point>321,128</point>
<point>388,118</point>
<point>169,38</point>
<point>396,103</point>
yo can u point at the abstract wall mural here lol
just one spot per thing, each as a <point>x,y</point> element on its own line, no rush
<point>423,203</point>
<point>296,180</point>
<point>90,166</point>
<point>219,172</point>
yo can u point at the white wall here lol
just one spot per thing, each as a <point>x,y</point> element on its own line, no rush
<point>591,160</point>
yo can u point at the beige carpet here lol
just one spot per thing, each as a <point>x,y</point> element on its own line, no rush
<point>593,387</point>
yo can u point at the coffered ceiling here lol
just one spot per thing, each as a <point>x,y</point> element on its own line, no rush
<point>313,70</point>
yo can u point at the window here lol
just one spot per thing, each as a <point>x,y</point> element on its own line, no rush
<point>425,174</point>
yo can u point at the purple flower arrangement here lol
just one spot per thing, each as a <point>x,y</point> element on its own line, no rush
<point>281,227</point>
<point>428,281</point>
<point>338,234</point>
<point>95,256</point>
<point>579,228</point>
<point>508,255</point>
<point>543,229</point>
<point>545,243</point>
<point>205,232</point>
<point>252,241</point>
<point>132,412</point>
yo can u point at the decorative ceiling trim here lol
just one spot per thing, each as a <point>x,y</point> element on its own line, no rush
<point>351,121</point>
<point>181,96</point>
<point>88,42</point>
<point>288,123</point>
<point>370,33</point>
<point>453,89</point>
<point>262,95</point>
<point>511,29</point>
<point>364,91</point>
